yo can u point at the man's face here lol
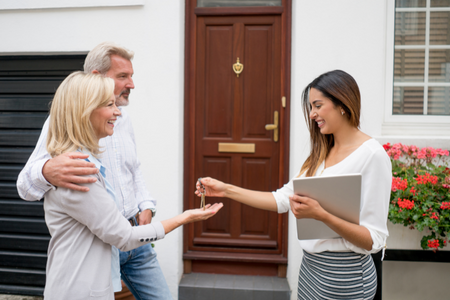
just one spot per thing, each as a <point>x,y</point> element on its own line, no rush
<point>121,71</point>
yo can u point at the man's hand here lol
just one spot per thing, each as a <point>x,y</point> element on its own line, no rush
<point>66,171</point>
<point>145,217</point>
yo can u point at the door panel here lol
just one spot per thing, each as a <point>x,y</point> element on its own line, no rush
<point>218,167</point>
<point>255,222</point>
<point>235,110</point>
<point>258,81</point>
<point>217,83</point>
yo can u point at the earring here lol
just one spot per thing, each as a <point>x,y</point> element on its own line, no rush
<point>342,112</point>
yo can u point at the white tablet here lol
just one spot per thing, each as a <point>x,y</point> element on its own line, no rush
<point>340,195</point>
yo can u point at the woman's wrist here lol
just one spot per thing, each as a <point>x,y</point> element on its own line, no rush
<point>228,190</point>
<point>185,218</point>
<point>323,216</point>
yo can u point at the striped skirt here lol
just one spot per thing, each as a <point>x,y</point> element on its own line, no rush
<point>337,275</point>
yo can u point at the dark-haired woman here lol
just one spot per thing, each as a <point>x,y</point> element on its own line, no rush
<point>339,268</point>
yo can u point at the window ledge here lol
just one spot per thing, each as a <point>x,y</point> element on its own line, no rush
<point>421,137</point>
<point>48,4</point>
<point>419,130</point>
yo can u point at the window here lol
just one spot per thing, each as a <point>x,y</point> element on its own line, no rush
<point>421,58</point>
<point>417,79</point>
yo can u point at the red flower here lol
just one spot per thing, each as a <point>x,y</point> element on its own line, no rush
<point>395,151</point>
<point>387,146</point>
<point>424,179</point>
<point>433,216</point>
<point>399,184</point>
<point>442,152</point>
<point>445,205</point>
<point>433,244</point>
<point>405,203</point>
<point>413,191</point>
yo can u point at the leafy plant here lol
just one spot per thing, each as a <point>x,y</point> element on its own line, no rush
<point>420,194</point>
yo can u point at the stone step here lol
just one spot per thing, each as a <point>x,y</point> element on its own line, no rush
<point>18,297</point>
<point>202,286</point>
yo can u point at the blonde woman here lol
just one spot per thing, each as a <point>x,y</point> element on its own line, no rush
<point>340,268</point>
<point>83,226</point>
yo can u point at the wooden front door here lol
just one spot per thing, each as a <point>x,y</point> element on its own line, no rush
<point>230,142</point>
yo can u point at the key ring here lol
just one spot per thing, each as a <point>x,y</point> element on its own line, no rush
<point>201,184</point>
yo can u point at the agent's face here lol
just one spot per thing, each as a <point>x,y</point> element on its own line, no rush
<point>328,117</point>
<point>122,72</point>
<point>103,118</point>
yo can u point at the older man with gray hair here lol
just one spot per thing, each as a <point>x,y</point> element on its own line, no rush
<point>139,268</point>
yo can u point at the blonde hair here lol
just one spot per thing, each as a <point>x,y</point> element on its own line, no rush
<point>75,99</point>
<point>99,58</point>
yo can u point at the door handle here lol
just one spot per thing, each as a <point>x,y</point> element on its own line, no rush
<point>274,126</point>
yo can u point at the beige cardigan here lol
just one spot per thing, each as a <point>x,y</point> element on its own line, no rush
<point>83,227</point>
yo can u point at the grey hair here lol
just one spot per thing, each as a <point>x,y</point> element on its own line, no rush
<point>99,58</point>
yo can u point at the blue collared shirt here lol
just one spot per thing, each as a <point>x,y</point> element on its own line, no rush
<point>115,260</point>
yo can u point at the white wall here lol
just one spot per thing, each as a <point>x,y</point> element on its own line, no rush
<point>326,35</point>
<point>348,35</point>
<point>155,31</point>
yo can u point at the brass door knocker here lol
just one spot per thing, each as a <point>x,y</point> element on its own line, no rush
<point>238,67</point>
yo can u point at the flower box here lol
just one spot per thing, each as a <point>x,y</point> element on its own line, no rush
<point>420,194</point>
<point>403,238</point>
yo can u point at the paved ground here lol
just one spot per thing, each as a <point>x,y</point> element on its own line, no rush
<point>16,297</point>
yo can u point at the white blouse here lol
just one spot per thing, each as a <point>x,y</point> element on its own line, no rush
<point>370,160</point>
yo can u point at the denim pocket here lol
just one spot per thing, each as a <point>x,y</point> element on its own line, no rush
<point>102,294</point>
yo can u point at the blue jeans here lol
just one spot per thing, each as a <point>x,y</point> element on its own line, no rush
<point>140,271</point>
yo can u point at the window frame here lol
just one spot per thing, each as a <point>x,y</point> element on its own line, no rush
<point>409,125</point>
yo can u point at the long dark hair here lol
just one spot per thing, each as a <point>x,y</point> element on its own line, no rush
<point>342,89</point>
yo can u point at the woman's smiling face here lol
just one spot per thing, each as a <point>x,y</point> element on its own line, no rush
<point>327,116</point>
<point>103,118</point>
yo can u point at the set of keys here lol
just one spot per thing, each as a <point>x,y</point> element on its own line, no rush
<point>202,187</point>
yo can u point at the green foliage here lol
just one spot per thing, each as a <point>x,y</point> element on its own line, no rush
<point>420,194</point>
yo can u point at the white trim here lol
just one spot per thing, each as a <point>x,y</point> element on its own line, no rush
<point>389,59</point>
<point>427,59</point>
<point>49,4</point>
<point>423,126</point>
<point>421,84</point>
<point>420,9</point>
<point>18,53</point>
<point>416,129</point>
<point>420,141</point>
<point>422,47</point>
<point>420,120</point>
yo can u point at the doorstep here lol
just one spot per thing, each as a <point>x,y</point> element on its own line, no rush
<point>18,297</point>
<point>202,286</point>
